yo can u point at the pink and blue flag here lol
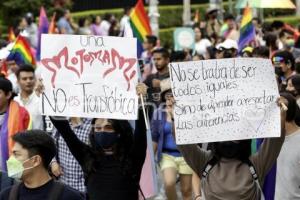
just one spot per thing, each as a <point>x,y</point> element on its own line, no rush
<point>43,28</point>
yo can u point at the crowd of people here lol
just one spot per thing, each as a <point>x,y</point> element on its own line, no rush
<point>46,157</point>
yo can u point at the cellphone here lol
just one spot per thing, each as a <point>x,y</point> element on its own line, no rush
<point>141,65</point>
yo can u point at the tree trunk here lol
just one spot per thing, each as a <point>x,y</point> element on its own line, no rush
<point>186,17</point>
<point>154,15</point>
<point>297,7</point>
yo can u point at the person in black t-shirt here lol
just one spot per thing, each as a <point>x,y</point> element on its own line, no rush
<point>113,161</point>
<point>31,155</point>
<point>161,58</point>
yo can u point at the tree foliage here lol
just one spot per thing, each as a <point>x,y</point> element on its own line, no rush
<point>13,10</point>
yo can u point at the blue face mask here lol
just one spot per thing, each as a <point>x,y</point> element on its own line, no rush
<point>105,140</point>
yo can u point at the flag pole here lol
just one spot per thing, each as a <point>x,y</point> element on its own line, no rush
<point>144,112</point>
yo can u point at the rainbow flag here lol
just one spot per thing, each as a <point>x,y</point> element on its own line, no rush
<point>247,30</point>
<point>270,179</point>
<point>51,29</point>
<point>140,25</point>
<point>21,53</point>
<point>16,119</point>
<point>197,17</point>
<point>43,28</point>
<point>11,35</point>
<point>224,31</point>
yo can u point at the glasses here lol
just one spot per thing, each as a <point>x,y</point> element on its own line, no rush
<point>278,60</point>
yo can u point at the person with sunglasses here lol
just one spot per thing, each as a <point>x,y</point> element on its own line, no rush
<point>284,64</point>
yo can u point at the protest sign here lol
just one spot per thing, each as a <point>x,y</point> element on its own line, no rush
<point>224,99</point>
<point>89,76</point>
<point>184,38</point>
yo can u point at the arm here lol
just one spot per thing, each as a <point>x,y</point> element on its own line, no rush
<point>77,148</point>
<point>140,141</point>
<point>196,184</point>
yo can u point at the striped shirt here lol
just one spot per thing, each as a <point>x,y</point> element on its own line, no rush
<point>72,172</point>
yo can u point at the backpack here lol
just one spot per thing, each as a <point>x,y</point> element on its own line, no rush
<point>5,181</point>
<point>210,164</point>
<point>55,193</point>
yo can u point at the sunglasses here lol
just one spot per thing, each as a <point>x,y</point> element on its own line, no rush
<point>277,59</point>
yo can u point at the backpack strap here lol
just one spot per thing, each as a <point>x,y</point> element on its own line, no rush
<point>252,169</point>
<point>5,181</point>
<point>209,165</point>
<point>13,194</point>
<point>57,189</point>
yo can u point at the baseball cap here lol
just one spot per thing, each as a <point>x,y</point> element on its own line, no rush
<point>227,44</point>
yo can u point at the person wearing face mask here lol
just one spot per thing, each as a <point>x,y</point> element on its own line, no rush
<point>31,155</point>
<point>113,161</point>
<point>284,64</point>
<point>229,171</point>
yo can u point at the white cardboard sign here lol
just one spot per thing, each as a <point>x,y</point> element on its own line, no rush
<point>89,76</point>
<point>224,99</point>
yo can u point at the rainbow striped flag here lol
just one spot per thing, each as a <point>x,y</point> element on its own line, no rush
<point>270,179</point>
<point>247,30</point>
<point>16,119</point>
<point>11,35</point>
<point>140,25</point>
<point>21,53</point>
<point>51,29</point>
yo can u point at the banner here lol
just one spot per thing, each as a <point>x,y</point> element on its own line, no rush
<point>184,38</point>
<point>89,76</point>
<point>224,99</point>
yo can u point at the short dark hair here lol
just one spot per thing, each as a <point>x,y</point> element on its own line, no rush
<point>292,106</point>
<point>5,85</point>
<point>81,21</point>
<point>24,68</point>
<point>288,58</point>
<point>165,53</point>
<point>295,79</point>
<point>277,24</point>
<point>228,16</point>
<point>177,56</point>
<point>261,51</point>
<point>257,19</point>
<point>270,39</point>
<point>37,142</point>
<point>127,9</point>
<point>152,39</point>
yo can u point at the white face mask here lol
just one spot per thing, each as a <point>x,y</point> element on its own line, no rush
<point>15,167</point>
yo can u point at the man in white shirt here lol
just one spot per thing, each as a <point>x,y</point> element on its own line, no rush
<point>106,23</point>
<point>125,22</point>
<point>288,162</point>
<point>27,97</point>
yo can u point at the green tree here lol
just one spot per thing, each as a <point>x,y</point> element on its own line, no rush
<point>11,11</point>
